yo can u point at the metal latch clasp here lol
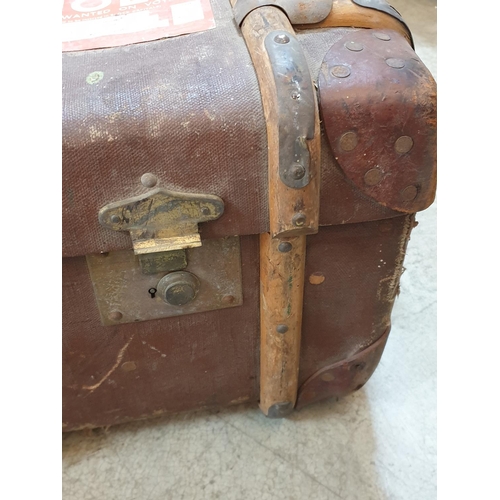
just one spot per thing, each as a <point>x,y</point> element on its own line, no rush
<point>162,221</point>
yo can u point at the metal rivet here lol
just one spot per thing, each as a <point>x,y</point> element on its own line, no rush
<point>298,171</point>
<point>316,278</point>
<point>327,377</point>
<point>373,177</point>
<point>115,316</point>
<point>299,220</point>
<point>281,39</point>
<point>409,193</point>
<point>348,141</point>
<point>149,180</point>
<point>354,46</point>
<point>129,366</point>
<point>340,71</point>
<point>228,299</point>
<point>115,219</point>
<point>382,36</point>
<point>395,63</point>
<point>284,247</point>
<point>205,211</point>
<point>282,328</point>
<point>403,144</point>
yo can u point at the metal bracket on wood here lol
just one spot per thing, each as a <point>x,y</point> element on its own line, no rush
<point>296,101</point>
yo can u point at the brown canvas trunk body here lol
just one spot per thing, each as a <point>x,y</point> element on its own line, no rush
<point>189,110</point>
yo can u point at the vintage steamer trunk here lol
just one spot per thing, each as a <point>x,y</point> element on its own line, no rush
<point>236,208</point>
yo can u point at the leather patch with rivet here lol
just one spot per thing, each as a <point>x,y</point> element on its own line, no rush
<point>378,107</point>
<point>343,377</point>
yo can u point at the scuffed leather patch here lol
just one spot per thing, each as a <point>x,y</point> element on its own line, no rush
<point>378,106</point>
<point>342,378</point>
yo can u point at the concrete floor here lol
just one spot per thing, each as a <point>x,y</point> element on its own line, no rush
<point>379,443</point>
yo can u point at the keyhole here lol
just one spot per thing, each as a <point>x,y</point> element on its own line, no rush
<point>152,292</point>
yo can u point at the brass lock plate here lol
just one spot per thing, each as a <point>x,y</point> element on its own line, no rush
<point>125,294</point>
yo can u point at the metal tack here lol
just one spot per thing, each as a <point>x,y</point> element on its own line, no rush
<point>403,144</point>
<point>354,46</point>
<point>115,315</point>
<point>409,193</point>
<point>348,141</point>
<point>298,171</point>
<point>340,71</point>
<point>299,220</point>
<point>395,63</point>
<point>149,180</point>
<point>281,39</point>
<point>284,247</point>
<point>373,177</point>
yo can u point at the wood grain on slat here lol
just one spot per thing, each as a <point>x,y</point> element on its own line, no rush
<point>281,273</point>
<point>282,289</point>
